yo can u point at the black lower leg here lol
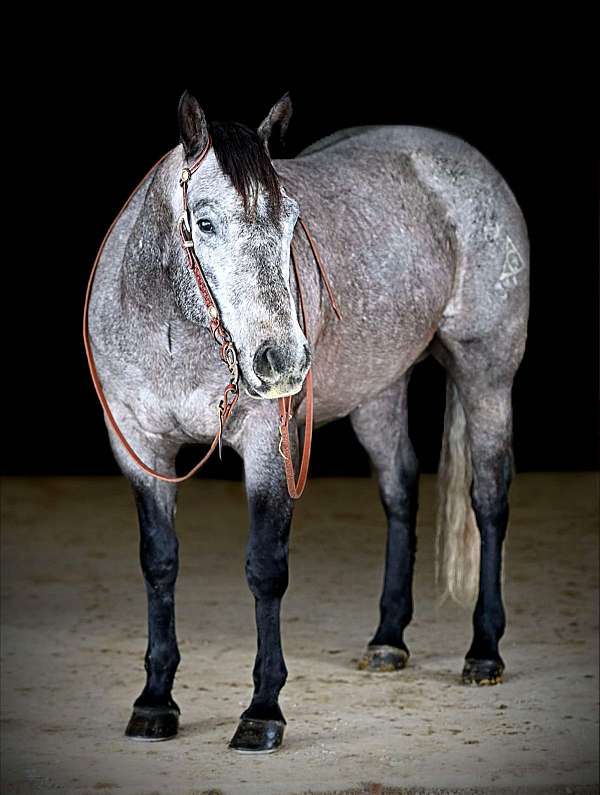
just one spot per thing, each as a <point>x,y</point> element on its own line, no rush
<point>261,725</point>
<point>155,713</point>
<point>396,603</point>
<point>382,427</point>
<point>490,504</point>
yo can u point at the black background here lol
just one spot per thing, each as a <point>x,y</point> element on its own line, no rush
<point>91,145</point>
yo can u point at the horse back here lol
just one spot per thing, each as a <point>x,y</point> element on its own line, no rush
<point>489,234</point>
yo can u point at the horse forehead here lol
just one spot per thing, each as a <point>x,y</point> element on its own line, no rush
<point>214,183</point>
<point>217,185</point>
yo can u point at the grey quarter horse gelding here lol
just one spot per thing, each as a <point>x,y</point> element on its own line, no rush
<point>427,253</point>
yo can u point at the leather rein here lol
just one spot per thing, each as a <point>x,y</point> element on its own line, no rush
<point>223,340</point>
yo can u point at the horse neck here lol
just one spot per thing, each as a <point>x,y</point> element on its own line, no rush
<point>152,246</point>
<point>297,176</point>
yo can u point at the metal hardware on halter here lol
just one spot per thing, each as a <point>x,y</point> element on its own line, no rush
<point>185,230</point>
<point>282,423</point>
<point>284,418</point>
<point>229,356</point>
<point>225,407</point>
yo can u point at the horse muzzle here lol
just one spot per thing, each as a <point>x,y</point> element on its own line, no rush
<point>277,371</point>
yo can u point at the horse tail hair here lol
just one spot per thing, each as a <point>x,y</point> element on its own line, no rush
<point>457,543</point>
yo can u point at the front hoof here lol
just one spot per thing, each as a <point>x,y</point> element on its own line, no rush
<point>153,724</point>
<point>482,672</point>
<point>254,736</point>
<point>383,658</point>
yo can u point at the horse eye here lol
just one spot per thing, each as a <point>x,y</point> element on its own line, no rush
<point>205,226</point>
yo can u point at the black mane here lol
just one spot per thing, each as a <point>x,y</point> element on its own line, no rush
<point>244,159</point>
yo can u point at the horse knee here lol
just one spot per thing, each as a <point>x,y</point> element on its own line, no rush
<point>399,491</point>
<point>160,560</point>
<point>267,572</point>
<point>491,481</point>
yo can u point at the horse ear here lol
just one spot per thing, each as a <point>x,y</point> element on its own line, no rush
<point>277,121</point>
<point>193,129</point>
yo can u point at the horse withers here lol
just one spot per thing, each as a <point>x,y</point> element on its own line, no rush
<point>427,253</point>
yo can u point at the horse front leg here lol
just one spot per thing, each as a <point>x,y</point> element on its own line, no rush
<point>261,726</point>
<point>155,715</point>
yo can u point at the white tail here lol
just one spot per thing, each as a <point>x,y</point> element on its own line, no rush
<point>457,543</point>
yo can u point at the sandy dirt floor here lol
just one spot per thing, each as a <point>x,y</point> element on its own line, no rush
<point>74,637</point>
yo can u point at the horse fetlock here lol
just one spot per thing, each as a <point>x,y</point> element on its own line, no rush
<point>396,612</point>
<point>156,698</point>
<point>263,709</point>
<point>489,625</point>
<point>268,685</point>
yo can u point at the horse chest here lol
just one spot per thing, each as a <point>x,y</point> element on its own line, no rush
<point>173,397</point>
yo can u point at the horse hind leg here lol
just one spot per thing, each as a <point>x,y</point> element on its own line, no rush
<point>381,426</point>
<point>476,457</point>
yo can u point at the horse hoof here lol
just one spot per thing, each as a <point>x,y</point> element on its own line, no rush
<point>383,658</point>
<point>482,672</point>
<point>152,724</point>
<point>257,736</point>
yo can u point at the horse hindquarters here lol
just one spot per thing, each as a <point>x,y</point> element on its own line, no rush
<point>480,342</point>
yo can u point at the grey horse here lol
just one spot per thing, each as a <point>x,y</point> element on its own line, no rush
<point>427,253</point>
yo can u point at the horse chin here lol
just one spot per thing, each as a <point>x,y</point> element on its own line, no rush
<point>271,392</point>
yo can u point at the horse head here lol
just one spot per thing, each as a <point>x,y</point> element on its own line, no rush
<point>242,222</point>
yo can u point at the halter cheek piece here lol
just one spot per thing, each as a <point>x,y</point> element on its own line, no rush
<point>220,333</point>
<point>223,339</point>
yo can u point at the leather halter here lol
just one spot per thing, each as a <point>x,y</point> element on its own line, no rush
<point>225,342</point>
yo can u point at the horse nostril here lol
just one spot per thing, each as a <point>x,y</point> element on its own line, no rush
<point>268,363</point>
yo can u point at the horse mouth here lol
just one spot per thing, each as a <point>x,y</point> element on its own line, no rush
<point>272,392</point>
<point>250,390</point>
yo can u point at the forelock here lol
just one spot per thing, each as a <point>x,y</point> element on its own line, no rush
<point>243,158</point>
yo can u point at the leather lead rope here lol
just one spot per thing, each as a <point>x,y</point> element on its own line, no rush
<point>295,488</point>
<point>223,339</point>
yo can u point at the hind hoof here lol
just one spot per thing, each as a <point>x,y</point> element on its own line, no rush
<point>254,736</point>
<point>153,724</point>
<point>482,672</point>
<point>383,658</point>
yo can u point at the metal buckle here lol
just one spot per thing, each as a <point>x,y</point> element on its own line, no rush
<point>186,232</point>
<point>183,222</point>
<point>281,453</point>
<point>229,356</point>
<point>230,396</point>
